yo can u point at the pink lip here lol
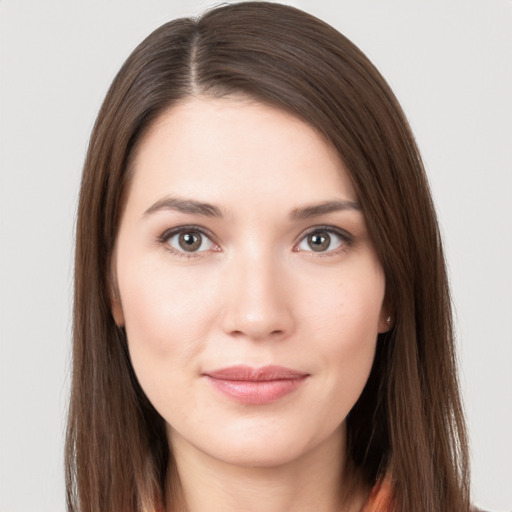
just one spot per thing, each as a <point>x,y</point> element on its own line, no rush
<point>256,386</point>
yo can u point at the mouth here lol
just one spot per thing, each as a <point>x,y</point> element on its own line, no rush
<point>255,386</point>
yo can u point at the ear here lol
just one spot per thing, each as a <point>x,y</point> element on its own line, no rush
<point>115,300</point>
<point>386,321</point>
<point>117,309</point>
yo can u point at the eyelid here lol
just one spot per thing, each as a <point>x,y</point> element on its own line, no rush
<point>344,235</point>
<point>169,233</point>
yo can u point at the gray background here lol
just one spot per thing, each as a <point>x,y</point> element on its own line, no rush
<point>450,64</point>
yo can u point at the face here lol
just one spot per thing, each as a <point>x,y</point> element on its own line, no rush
<point>247,283</point>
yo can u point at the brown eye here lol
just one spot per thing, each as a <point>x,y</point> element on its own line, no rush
<point>324,240</point>
<point>319,242</point>
<point>190,241</point>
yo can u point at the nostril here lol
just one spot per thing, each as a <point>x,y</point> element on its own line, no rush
<point>257,334</point>
<point>257,314</point>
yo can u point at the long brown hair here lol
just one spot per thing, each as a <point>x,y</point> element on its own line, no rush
<point>408,422</point>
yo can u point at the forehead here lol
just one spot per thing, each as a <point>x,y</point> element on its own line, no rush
<point>223,149</point>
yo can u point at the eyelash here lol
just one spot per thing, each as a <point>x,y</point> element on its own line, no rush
<point>346,238</point>
<point>164,238</point>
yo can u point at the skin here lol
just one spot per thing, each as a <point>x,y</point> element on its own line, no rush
<point>255,293</point>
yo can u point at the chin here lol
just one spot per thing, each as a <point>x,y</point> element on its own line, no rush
<point>267,446</point>
<point>260,455</point>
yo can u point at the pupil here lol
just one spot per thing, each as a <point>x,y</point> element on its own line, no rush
<point>190,241</point>
<point>319,242</point>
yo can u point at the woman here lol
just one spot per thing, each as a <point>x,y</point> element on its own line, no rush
<point>262,317</point>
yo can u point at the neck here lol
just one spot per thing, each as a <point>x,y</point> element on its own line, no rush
<point>314,482</point>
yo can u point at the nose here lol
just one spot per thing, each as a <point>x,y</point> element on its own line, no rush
<point>258,301</point>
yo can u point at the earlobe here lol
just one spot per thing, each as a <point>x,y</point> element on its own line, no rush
<point>115,300</point>
<point>117,310</point>
<point>386,321</point>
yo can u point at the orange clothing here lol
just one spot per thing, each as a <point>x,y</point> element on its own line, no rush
<point>381,498</point>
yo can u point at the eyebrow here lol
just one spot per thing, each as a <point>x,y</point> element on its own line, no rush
<point>184,206</point>
<point>323,208</point>
<point>194,207</point>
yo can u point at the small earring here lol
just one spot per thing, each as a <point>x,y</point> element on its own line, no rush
<point>388,320</point>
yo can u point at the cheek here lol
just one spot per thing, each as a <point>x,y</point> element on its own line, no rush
<point>168,317</point>
<point>160,303</point>
<point>349,308</point>
<point>345,323</point>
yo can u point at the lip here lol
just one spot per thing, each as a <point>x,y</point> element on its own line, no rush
<point>255,386</point>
